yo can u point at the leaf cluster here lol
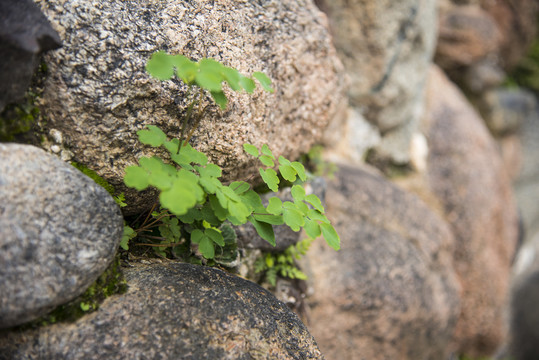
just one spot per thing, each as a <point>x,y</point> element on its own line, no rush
<point>207,74</point>
<point>283,264</point>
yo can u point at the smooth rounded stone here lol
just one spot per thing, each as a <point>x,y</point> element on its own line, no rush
<point>98,94</point>
<point>385,47</point>
<point>391,291</point>
<point>24,34</point>
<point>59,231</point>
<point>174,311</point>
<point>466,174</point>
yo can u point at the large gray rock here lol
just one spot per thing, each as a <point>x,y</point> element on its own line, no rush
<point>385,46</point>
<point>391,291</point>
<point>24,34</point>
<point>98,94</point>
<point>174,311</point>
<point>59,231</point>
<point>465,173</point>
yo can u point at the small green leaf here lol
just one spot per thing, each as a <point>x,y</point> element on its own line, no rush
<point>232,76</point>
<point>266,160</point>
<point>209,76</point>
<point>316,215</point>
<point>210,170</point>
<point>264,81</point>
<point>284,161</point>
<point>210,184</point>
<point>247,83</point>
<point>185,68</point>
<point>252,199</point>
<point>136,177</point>
<point>264,230</point>
<point>270,178</point>
<point>220,99</point>
<point>172,146</point>
<point>315,202</point>
<point>160,66</point>
<point>251,150</point>
<point>238,210</point>
<point>153,136</point>
<point>298,193</point>
<point>191,216</point>
<point>288,172</point>
<point>218,209</point>
<point>300,170</point>
<point>275,206</point>
<point>266,151</point>
<point>84,306</point>
<point>215,236</point>
<point>206,248</point>
<point>196,236</point>
<point>182,196</point>
<point>312,228</point>
<point>331,236</point>
<point>269,218</point>
<point>127,235</point>
<point>239,187</point>
<point>292,216</point>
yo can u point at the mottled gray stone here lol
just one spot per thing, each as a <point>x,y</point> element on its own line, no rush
<point>24,34</point>
<point>58,231</point>
<point>98,94</point>
<point>391,291</point>
<point>385,47</point>
<point>174,311</point>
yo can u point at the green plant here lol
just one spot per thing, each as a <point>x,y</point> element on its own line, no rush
<point>283,264</point>
<point>190,189</point>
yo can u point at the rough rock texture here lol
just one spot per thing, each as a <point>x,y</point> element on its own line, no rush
<point>98,93</point>
<point>391,291</point>
<point>385,46</point>
<point>174,311</point>
<point>58,231</point>
<point>524,334</point>
<point>466,174</point>
<point>24,34</point>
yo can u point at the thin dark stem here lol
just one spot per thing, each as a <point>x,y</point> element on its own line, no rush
<point>185,121</point>
<point>199,116</point>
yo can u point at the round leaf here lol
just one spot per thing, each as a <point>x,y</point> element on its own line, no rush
<point>136,177</point>
<point>153,136</point>
<point>251,150</point>
<point>160,66</point>
<point>275,206</point>
<point>298,192</point>
<point>288,172</point>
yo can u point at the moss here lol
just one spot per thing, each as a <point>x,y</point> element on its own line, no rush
<point>526,73</point>
<point>17,120</point>
<point>93,175</point>
<point>111,282</point>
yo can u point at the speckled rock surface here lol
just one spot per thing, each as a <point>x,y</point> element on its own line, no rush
<point>174,311</point>
<point>58,231</point>
<point>391,291</point>
<point>98,93</point>
<point>385,46</point>
<point>466,174</point>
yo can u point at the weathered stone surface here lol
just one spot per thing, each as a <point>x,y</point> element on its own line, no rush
<point>98,93</point>
<point>391,291</point>
<point>385,47</point>
<point>58,231</point>
<point>24,34</point>
<point>524,334</point>
<point>466,174</point>
<point>174,311</point>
